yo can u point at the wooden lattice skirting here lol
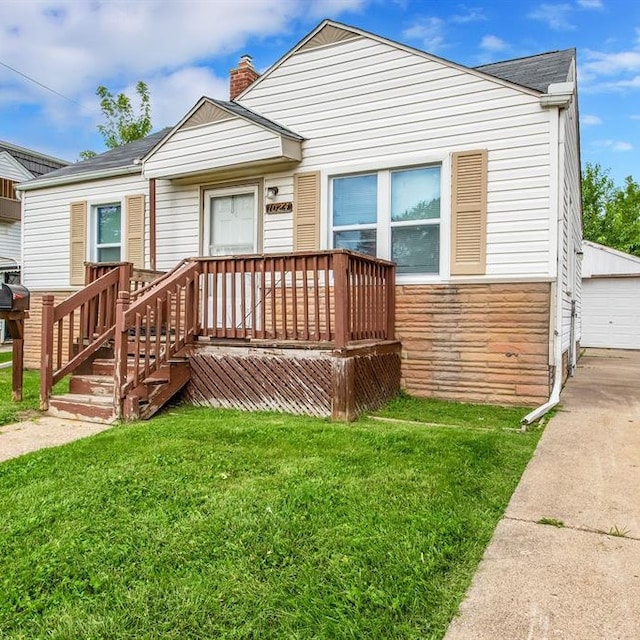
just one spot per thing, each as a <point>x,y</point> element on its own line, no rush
<point>340,384</point>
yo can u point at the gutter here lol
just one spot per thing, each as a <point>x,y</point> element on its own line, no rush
<point>41,183</point>
<point>558,133</point>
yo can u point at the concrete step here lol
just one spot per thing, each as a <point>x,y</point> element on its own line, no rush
<point>79,406</point>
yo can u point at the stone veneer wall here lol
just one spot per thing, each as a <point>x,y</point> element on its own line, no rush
<point>484,343</point>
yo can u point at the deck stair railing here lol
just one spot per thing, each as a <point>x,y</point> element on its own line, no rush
<point>330,297</point>
<point>74,330</point>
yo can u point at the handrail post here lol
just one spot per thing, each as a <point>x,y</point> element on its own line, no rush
<point>390,285</point>
<point>121,353</point>
<point>125,273</point>
<point>46,362</point>
<point>341,296</point>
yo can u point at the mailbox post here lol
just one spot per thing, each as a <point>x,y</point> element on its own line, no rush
<point>14,309</point>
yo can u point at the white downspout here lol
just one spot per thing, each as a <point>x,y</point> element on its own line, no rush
<point>557,186</point>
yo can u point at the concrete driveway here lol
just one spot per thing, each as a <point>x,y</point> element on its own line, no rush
<point>579,580</point>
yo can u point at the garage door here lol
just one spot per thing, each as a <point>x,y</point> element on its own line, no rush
<point>611,313</point>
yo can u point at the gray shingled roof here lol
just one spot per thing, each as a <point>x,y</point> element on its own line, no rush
<point>113,159</point>
<point>36,163</point>
<point>536,72</point>
<point>243,112</point>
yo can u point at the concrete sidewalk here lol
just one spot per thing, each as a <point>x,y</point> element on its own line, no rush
<point>575,581</point>
<point>42,432</point>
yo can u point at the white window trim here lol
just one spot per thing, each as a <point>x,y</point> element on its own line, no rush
<point>384,231</point>
<point>92,227</point>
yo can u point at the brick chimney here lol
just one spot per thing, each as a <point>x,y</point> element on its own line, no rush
<point>241,77</point>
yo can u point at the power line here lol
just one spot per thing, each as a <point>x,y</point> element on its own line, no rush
<point>44,86</point>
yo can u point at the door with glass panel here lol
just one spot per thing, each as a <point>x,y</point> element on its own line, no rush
<point>230,229</point>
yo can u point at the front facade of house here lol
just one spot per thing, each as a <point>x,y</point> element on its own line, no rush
<point>468,179</point>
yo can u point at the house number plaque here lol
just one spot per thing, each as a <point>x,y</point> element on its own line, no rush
<point>280,207</point>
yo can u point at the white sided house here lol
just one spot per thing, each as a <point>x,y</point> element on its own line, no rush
<point>17,164</point>
<point>462,185</point>
<point>610,298</point>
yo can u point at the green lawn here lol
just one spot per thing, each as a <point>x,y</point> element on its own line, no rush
<point>218,524</point>
<point>10,411</point>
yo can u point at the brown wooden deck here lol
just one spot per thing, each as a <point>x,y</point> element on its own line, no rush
<point>133,339</point>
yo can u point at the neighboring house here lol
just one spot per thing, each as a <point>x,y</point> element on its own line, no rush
<point>467,178</point>
<point>610,298</point>
<point>16,165</point>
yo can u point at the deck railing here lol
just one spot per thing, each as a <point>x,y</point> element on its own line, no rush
<point>330,296</point>
<point>76,328</point>
<point>335,297</point>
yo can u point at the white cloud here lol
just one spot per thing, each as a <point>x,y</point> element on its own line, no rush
<point>176,93</point>
<point>589,120</point>
<point>635,117</point>
<point>429,31</point>
<point>327,8</point>
<point>73,46</point>
<point>615,145</point>
<point>556,16</point>
<point>590,4</point>
<point>611,63</point>
<point>493,43</point>
<point>472,15</point>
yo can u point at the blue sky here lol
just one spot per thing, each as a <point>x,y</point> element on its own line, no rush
<point>184,49</point>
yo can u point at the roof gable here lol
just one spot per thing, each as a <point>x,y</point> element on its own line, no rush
<point>329,32</point>
<point>11,169</point>
<point>217,135</point>
<point>209,111</point>
<point>36,164</point>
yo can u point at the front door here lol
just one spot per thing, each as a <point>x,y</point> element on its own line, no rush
<point>231,229</point>
<point>231,221</point>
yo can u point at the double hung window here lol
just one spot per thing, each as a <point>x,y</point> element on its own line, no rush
<point>107,232</point>
<point>393,214</point>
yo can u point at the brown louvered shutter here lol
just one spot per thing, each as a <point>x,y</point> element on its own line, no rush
<point>77,242</point>
<point>469,213</point>
<point>135,230</point>
<point>306,211</point>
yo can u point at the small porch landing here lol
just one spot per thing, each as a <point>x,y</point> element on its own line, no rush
<point>317,380</point>
<point>307,333</point>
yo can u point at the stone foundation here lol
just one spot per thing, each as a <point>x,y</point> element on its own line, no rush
<point>485,343</point>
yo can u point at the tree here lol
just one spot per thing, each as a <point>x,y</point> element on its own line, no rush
<point>122,125</point>
<point>610,214</point>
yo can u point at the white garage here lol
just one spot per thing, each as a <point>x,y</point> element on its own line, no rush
<point>610,298</point>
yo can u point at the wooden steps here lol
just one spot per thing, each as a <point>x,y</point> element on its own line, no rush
<point>77,406</point>
<point>91,393</point>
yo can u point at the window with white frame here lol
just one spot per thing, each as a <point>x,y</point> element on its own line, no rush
<point>107,232</point>
<point>394,214</point>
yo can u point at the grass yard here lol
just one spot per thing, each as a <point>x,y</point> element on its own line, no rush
<point>218,524</point>
<point>10,411</point>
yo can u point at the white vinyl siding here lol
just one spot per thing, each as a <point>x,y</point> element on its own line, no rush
<point>179,220</point>
<point>11,169</point>
<point>278,227</point>
<point>572,221</point>
<point>362,99</point>
<point>46,225</point>
<point>214,146</point>
<point>10,240</point>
